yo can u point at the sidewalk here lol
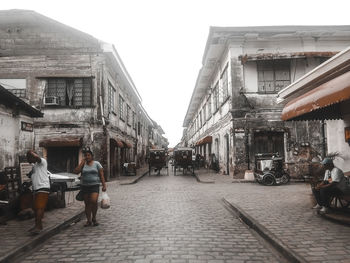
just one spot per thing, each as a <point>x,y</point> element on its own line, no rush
<point>204,175</point>
<point>132,179</point>
<point>15,239</point>
<point>283,214</point>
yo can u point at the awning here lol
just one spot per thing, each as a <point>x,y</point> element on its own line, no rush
<point>67,141</point>
<point>118,142</point>
<point>207,139</point>
<point>330,100</point>
<point>127,144</point>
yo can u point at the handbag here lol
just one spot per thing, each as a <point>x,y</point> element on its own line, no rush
<point>79,196</point>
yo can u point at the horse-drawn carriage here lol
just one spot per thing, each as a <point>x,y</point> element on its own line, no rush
<point>183,159</point>
<point>158,160</point>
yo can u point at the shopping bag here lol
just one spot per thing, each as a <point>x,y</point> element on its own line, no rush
<point>105,201</point>
<point>79,196</point>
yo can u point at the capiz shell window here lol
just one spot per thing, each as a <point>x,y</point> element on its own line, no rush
<point>273,75</point>
<point>70,91</point>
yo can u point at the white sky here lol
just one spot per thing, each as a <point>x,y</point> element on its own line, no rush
<point>161,42</point>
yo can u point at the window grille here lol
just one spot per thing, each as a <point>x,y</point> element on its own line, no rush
<point>111,97</point>
<point>128,115</point>
<point>71,91</point>
<point>121,107</point>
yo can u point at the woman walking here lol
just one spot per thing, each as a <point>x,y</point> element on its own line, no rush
<point>92,175</point>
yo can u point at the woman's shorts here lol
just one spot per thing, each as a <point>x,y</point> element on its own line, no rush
<point>89,189</point>
<point>40,200</point>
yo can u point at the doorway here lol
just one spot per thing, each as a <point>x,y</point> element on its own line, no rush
<point>269,142</point>
<point>62,159</point>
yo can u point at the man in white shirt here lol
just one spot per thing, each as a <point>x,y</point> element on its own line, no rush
<point>332,179</point>
<point>41,188</point>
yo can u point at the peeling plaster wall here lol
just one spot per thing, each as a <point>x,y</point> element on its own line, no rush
<point>254,112</point>
<point>336,142</point>
<point>35,47</point>
<point>264,108</point>
<point>14,142</point>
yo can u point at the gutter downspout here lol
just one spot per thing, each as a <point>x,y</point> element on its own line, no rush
<point>324,143</point>
<point>246,142</point>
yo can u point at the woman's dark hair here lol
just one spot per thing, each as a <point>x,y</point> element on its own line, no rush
<point>88,151</point>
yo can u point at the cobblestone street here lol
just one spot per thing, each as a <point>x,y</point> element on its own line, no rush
<point>213,144</point>
<point>159,219</point>
<point>176,219</point>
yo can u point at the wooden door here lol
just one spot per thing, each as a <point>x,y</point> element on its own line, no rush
<point>269,142</point>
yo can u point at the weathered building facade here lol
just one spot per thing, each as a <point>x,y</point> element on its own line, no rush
<point>82,87</point>
<point>324,94</point>
<point>16,126</point>
<point>157,138</point>
<point>233,111</point>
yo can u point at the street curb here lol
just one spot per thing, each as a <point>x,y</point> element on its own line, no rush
<point>288,253</point>
<point>135,180</point>
<point>201,181</point>
<point>334,219</point>
<point>242,181</point>
<point>17,253</point>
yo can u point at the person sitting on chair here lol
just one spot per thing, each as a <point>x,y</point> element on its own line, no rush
<point>329,186</point>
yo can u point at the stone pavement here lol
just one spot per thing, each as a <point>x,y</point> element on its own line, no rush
<point>286,212</point>
<point>15,237</point>
<point>177,219</point>
<point>159,219</point>
<point>209,176</point>
<point>131,179</point>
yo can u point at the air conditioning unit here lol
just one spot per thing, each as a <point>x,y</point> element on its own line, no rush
<point>51,100</point>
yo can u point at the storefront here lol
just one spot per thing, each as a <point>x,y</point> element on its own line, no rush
<point>324,94</point>
<point>62,153</point>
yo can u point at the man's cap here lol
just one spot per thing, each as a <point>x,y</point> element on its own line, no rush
<point>327,160</point>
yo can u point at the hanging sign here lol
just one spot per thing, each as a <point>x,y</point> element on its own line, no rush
<point>26,126</point>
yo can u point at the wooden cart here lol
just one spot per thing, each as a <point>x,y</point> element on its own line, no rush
<point>158,160</point>
<point>183,159</point>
